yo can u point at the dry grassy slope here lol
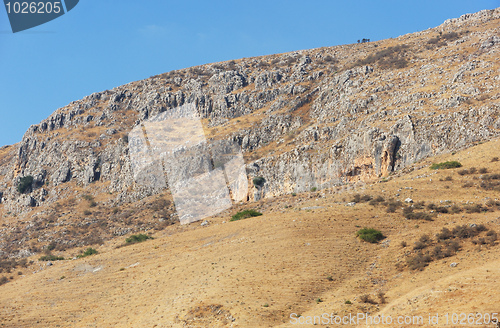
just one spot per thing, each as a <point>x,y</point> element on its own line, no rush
<point>225,274</point>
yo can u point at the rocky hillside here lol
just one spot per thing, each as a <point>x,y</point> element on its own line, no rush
<point>309,119</point>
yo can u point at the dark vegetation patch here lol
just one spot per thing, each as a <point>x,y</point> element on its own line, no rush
<point>357,198</point>
<point>370,235</point>
<point>443,39</point>
<point>7,265</point>
<point>245,215</point>
<point>51,258</point>
<point>446,165</point>
<point>447,243</point>
<point>88,252</point>
<point>25,184</point>
<point>391,57</point>
<point>134,239</point>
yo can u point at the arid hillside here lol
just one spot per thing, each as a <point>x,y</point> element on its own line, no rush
<point>329,141</point>
<point>317,118</point>
<point>440,255</point>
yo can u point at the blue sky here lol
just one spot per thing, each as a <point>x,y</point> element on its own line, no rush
<point>102,44</point>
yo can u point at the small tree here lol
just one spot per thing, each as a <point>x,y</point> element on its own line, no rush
<point>258,181</point>
<point>25,184</point>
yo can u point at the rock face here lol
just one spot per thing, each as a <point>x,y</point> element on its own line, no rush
<point>308,119</point>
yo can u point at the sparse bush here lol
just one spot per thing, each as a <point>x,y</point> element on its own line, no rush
<point>491,237</point>
<point>419,245</point>
<point>51,258</point>
<point>381,297</point>
<point>348,302</point>
<point>468,184</point>
<point>444,234</point>
<point>492,203</point>
<point>391,57</point>
<point>471,170</point>
<point>455,209</point>
<point>370,235</point>
<point>441,209</point>
<point>465,231</point>
<point>377,200</point>
<point>4,280</point>
<point>313,189</point>
<point>479,241</point>
<point>25,184</point>
<point>245,215</point>
<point>366,299</point>
<point>391,208</point>
<point>419,206</point>
<point>404,244</point>
<point>446,165</point>
<point>483,170</point>
<point>452,246</point>
<point>494,159</point>
<point>87,212</point>
<point>89,198</point>
<point>477,208</point>
<point>410,215</point>
<point>137,239</point>
<point>418,262</point>
<point>357,198</point>
<point>88,252</point>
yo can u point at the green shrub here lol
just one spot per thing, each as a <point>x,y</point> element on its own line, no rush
<point>137,238</point>
<point>446,165</point>
<point>313,189</point>
<point>51,258</point>
<point>245,215</point>
<point>89,251</point>
<point>370,235</point>
<point>25,184</point>
<point>258,181</point>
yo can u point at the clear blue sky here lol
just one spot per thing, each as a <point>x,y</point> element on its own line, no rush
<point>102,44</point>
